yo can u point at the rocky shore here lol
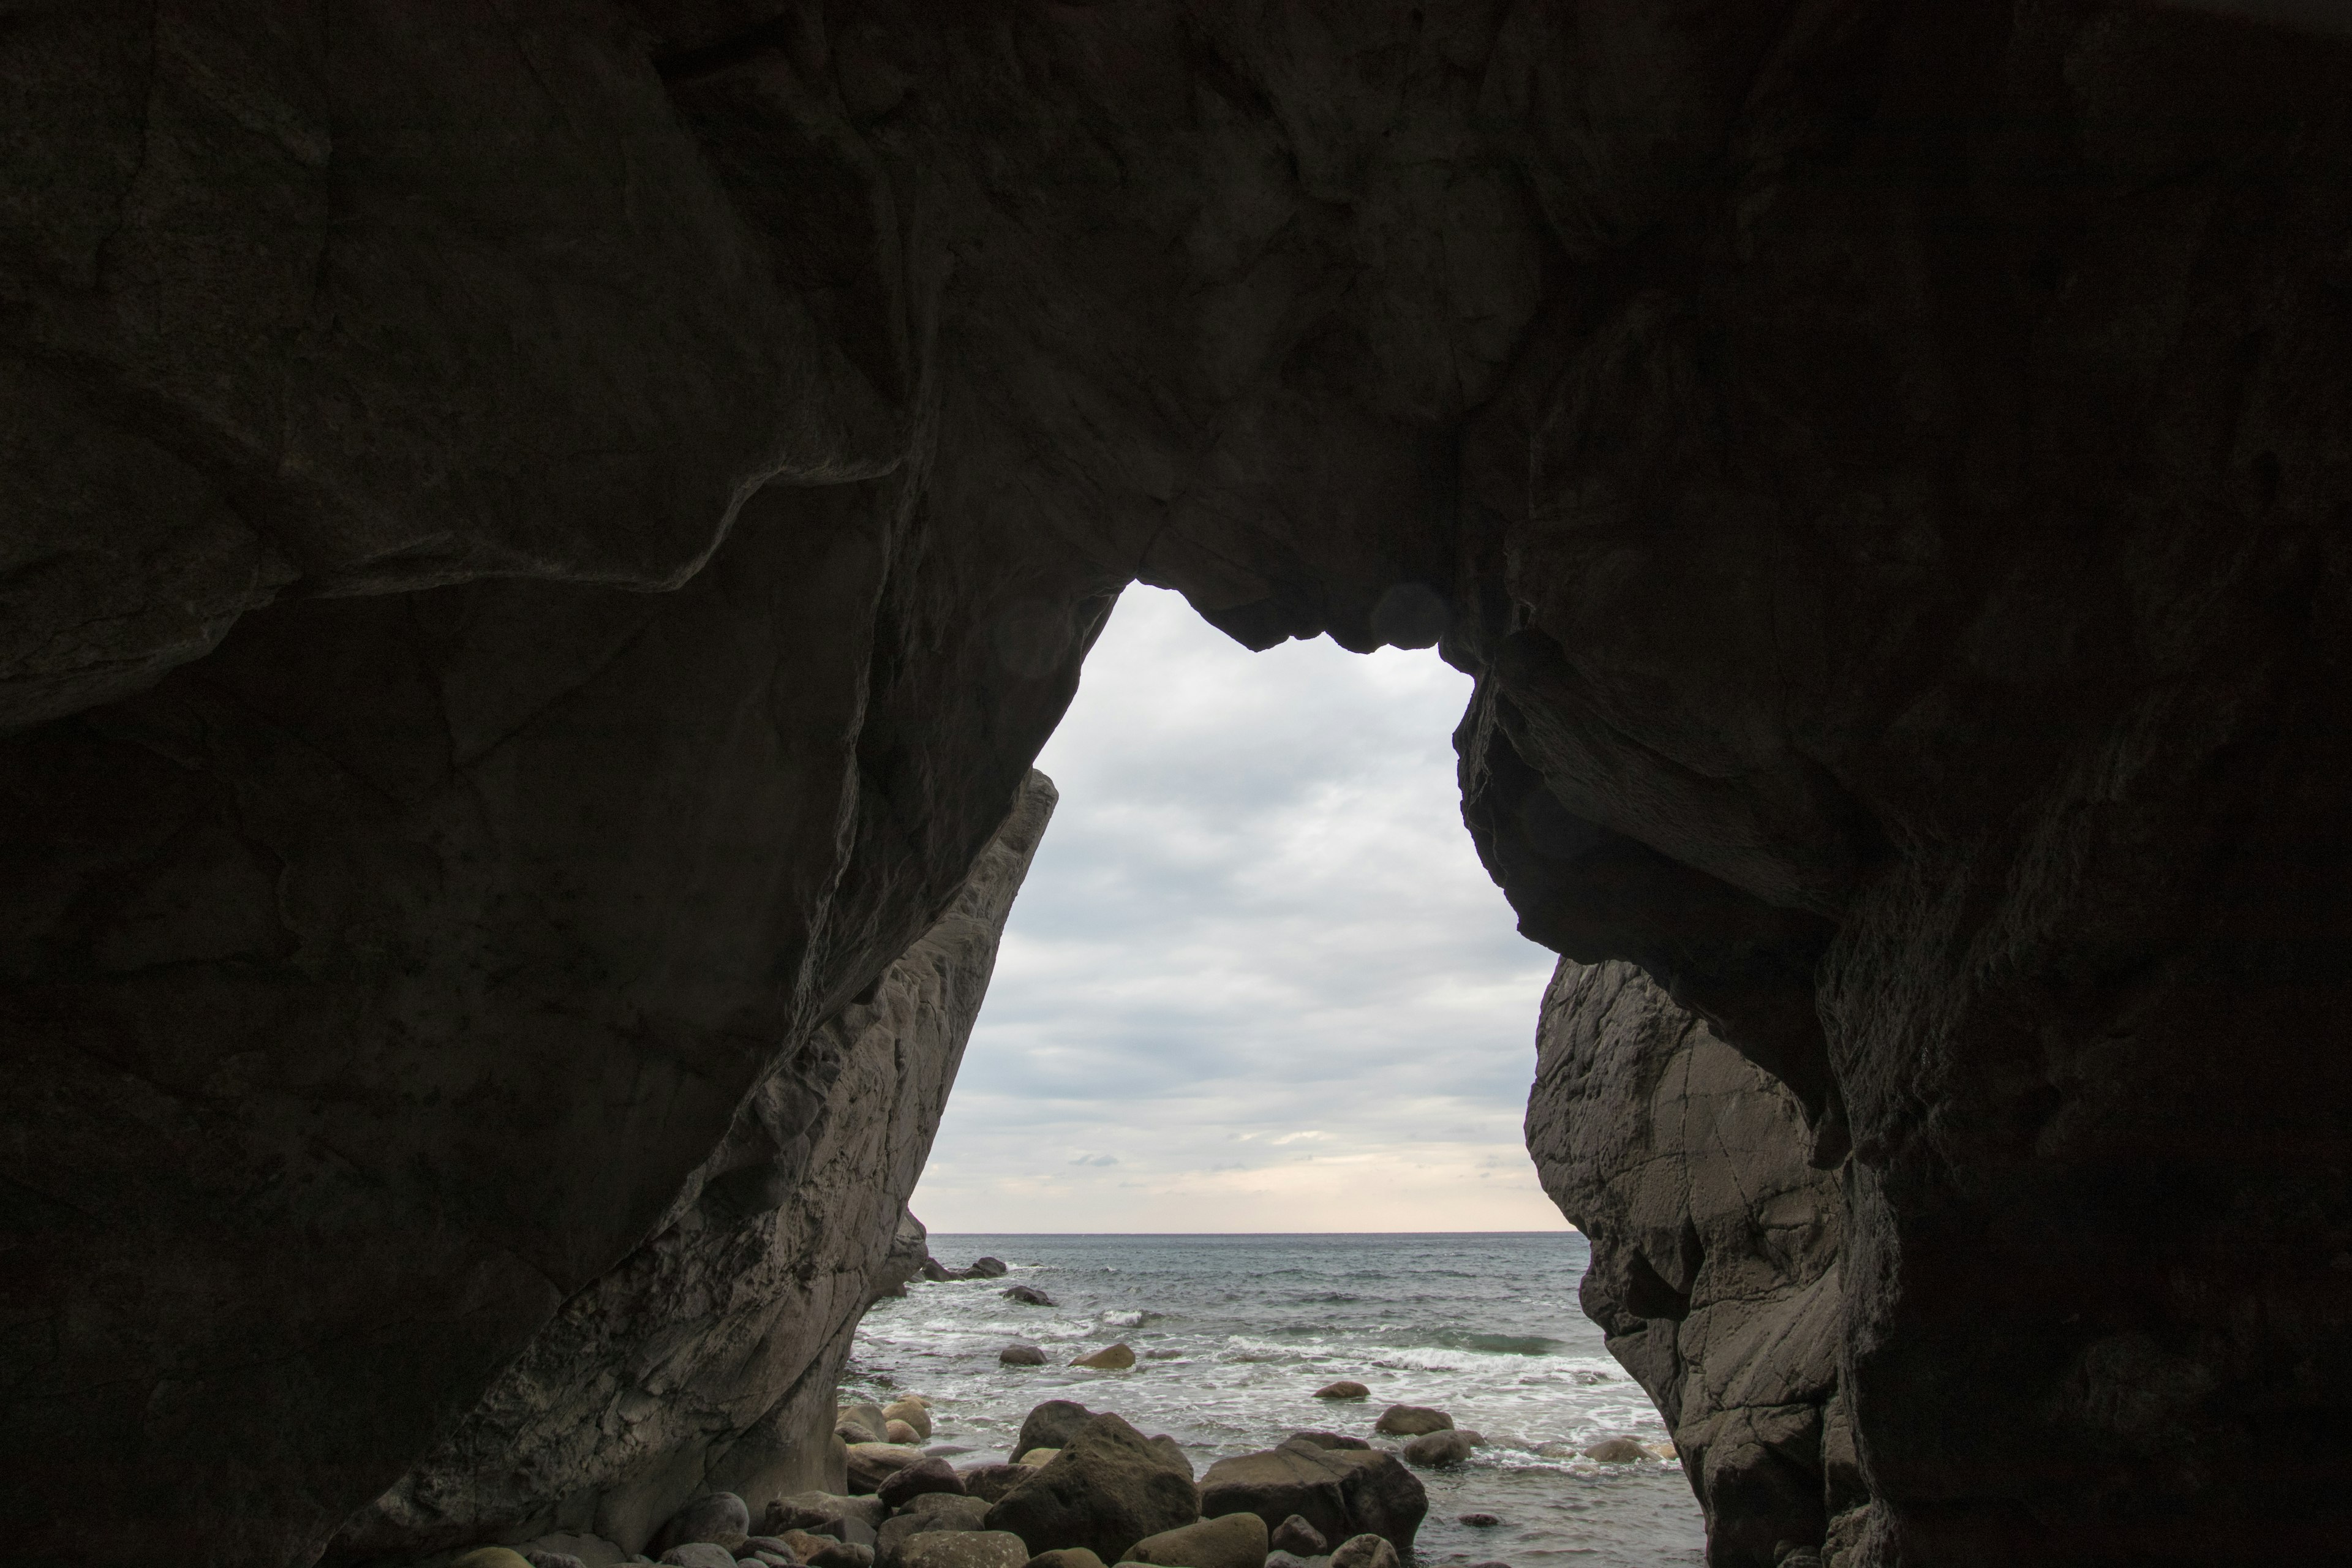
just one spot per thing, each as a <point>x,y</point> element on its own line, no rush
<point>1084,1489</point>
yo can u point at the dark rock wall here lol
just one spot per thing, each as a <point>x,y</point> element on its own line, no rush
<point>1715,1256</point>
<point>708,1358</point>
<point>539,543</point>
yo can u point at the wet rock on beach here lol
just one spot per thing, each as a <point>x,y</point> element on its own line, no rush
<point>1107,1488</point>
<point>1412,1421</point>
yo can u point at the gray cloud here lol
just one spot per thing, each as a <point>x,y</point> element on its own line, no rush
<point>1256,956</point>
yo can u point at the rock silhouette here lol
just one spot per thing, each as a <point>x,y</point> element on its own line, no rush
<point>537,552</point>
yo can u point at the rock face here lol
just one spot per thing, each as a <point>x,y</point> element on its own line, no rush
<point>536,551</point>
<point>1340,1492</point>
<point>1107,1488</point>
<point>708,1357</point>
<point>1715,1255</point>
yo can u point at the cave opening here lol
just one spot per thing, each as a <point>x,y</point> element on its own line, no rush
<point>1246,1099</point>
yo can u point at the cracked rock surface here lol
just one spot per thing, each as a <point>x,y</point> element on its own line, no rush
<point>1715,1255</point>
<point>537,546</point>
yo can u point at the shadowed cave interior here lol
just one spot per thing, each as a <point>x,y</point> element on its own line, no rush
<point>539,546</point>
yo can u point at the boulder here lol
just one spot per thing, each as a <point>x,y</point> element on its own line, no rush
<point>1366,1551</point>
<point>552,1560</point>
<point>1292,1560</point>
<point>1340,1492</point>
<point>1236,1540</point>
<point>1618,1451</point>
<point>1038,1459</point>
<point>1021,1356</point>
<point>843,1554</point>
<point>865,1416</point>
<point>1295,1536</point>
<point>1174,1450</point>
<point>987,1268</point>
<point>1107,1488</point>
<point>802,1544</point>
<point>992,1481</point>
<point>1477,1521</point>
<point>1051,1425</point>
<point>900,1432</point>
<point>966,1548</point>
<point>915,1413</point>
<point>859,1432</point>
<point>871,1464</point>
<point>1329,1440</point>
<point>1110,1358</point>
<point>720,1519</point>
<point>931,1512</point>
<point>902,1486</point>
<point>1412,1421</point>
<point>697,1555</point>
<point>824,1513</point>
<point>1065,1557</point>
<point>498,1557</point>
<point>1343,1389</point>
<point>1436,1450</point>
<point>1029,1294</point>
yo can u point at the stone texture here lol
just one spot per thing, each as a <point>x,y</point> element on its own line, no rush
<point>1107,1488</point>
<point>966,1548</point>
<point>992,1481</point>
<point>1297,1537</point>
<point>1050,1425</point>
<point>535,550</point>
<point>721,1519</point>
<point>596,1432</point>
<point>1235,1541</point>
<point>914,1480</point>
<point>1436,1450</point>
<point>1412,1421</point>
<point>941,1510</point>
<point>1340,1492</point>
<point>1715,1249</point>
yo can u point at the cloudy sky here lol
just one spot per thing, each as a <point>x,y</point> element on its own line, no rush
<point>1256,980</point>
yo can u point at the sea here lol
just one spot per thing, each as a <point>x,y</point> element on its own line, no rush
<point>1234,1333</point>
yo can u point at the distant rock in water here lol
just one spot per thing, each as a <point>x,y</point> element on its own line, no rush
<point>1029,1294</point>
<point>1436,1450</point>
<point>1110,1358</point>
<point>1022,1355</point>
<point>1477,1521</point>
<point>910,1251</point>
<point>982,1268</point>
<point>1412,1421</point>
<point>1343,1389</point>
<point>1618,1451</point>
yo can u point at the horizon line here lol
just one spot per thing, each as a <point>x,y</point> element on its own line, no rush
<point>1208,1234</point>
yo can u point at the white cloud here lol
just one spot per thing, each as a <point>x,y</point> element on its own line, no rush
<point>1256,956</point>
